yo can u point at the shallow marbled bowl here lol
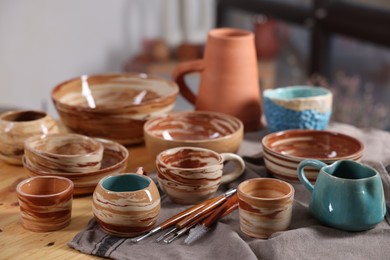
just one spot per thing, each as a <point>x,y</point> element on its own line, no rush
<point>219,132</point>
<point>114,162</point>
<point>284,150</point>
<point>113,106</point>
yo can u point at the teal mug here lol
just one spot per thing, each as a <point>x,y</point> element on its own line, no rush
<point>347,195</point>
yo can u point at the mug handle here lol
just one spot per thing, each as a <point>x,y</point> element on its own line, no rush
<point>141,171</point>
<point>238,169</point>
<point>183,69</point>
<point>301,172</point>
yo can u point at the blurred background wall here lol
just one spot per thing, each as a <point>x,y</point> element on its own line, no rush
<point>43,42</point>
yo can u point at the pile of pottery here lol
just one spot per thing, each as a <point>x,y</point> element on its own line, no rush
<point>101,113</point>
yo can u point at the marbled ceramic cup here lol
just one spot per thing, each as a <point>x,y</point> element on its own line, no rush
<point>64,153</point>
<point>190,175</point>
<point>265,206</point>
<point>45,203</point>
<point>297,107</point>
<point>126,205</point>
<point>17,126</point>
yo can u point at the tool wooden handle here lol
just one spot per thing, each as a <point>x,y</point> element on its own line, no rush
<point>221,210</point>
<point>178,217</point>
<point>198,215</point>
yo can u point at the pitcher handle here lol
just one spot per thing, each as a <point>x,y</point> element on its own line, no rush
<point>238,170</point>
<point>301,172</point>
<point>179,73</point>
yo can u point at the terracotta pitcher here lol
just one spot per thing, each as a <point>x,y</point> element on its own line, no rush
<point>229,80</point>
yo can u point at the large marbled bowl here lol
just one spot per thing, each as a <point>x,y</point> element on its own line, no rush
<point>219,132</point>
<point>284,150</point>
<point>113,106</point>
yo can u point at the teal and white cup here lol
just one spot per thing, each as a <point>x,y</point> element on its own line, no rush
<point>297,107</point>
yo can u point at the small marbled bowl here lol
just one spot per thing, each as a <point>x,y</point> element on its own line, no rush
<point>114,162</point>
<point>297,107</point>
<point>16,126</point>
<point>64,152</point>
<point>219,132</point>
<point>126,205</point>
<point>284,150</point>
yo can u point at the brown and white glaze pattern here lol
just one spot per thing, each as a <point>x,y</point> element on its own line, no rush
<point>189,175</point>
<point>126,213</point>
<point>113,106</point>
<point>17,126</point>
<point>216,131</point>
<point>284,150</point>
<point>114,162</point>
<point>45,203</point>
<point>265,206</point>
<point>64,153</point>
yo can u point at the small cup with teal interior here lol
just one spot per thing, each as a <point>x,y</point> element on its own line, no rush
<point>297,107</point>
<point>126,205</point>
<point>347,195</point>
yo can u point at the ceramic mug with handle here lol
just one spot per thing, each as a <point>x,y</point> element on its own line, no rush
<point>346,195</point>
<point>190,175</point>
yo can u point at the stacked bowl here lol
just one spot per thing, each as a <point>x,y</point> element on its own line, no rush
<point>284,150</point>
<point>81,159</point>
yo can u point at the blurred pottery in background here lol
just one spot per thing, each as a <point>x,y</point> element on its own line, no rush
<point>126,205</point>
<point>229,81</point>
<point>113,106</point>
<point>347,195</point>
<point>215,131</point>
<point>189,175</point>
<point>297,107</point>
<point>64,153</point>
<point>283,151</point>
<point>17,126</point>
<point>114,161</point>
<point>45,203</point>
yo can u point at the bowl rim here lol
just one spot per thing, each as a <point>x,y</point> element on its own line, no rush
<point>307,132</point>
<point>145,76</point>
<point>29,145</point>
<point>326,92</point>
<point>189,141</point>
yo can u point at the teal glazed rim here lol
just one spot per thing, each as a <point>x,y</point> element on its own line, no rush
<point>125,183</point>
<point>296,92</point>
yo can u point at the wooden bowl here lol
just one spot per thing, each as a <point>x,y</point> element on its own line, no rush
<point>219,132</point>
<point>113,106</point>
<point>284,150</point>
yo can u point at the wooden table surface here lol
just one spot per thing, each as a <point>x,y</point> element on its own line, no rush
<point>18,243</point>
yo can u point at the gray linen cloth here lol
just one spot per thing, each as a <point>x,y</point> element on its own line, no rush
<point>305,239</point>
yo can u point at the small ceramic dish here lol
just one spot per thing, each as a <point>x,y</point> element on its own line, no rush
<point>114,162</point>
<point>284,150</point>
<point>64,152</point>
<point>219,132</point>
<point>113,106</point>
